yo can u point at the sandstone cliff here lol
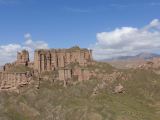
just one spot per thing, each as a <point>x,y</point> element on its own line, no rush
<point>69,64</point>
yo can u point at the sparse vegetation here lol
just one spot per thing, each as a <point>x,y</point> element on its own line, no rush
<point>76,102</point>
<point>19,68</point>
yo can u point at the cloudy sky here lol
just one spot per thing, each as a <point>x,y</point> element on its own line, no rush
<point>127,41</point>
<point>110,27</point>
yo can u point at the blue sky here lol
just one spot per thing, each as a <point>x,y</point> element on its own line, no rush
<point>64,23</point>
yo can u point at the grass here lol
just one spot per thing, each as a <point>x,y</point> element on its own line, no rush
<point>19,69</point>
<point>52,101</point>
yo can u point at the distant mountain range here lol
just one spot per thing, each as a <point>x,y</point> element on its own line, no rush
<point>142,56</point>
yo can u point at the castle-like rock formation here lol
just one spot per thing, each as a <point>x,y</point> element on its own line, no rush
<point>69,63</point>
<point>47,60</point>
<point>23,58</point>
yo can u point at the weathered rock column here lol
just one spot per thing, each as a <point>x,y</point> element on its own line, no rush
<point>48,59</point>
<point>61,73</point>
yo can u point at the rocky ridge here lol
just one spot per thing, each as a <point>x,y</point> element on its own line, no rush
<point>65,64</point>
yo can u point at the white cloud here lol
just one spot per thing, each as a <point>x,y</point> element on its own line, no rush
<point>8,52</point>
<point>155,23</point>
<point>34,44</point>
<point>127,41</point>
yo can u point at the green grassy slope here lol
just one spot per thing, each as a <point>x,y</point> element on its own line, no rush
<point>141,100</point>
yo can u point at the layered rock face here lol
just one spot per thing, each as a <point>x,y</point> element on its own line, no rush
<point>59,59</point>
<point>23,58</point>
<point>47,60</point>
<point>63,61</point>
<point>8,66</point>
<point>14,74</point>
<point>78,73</point>
<point>14,80</point>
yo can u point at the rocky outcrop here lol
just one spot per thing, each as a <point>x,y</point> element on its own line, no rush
<point>153,64</point>
<point>8,66</point>
<point>61,60</point>
<point>47,60</point>
<point>119,89</point>
<point>23,58</point>
<point>14,80</point>
<point>14,75</point>
<point>77,73</point>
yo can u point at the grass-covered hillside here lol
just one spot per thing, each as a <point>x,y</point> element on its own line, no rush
<point>139,101</point>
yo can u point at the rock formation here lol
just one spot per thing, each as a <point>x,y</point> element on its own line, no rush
<point>119,89</point>
<point>47,60</point>
<point>8,66</point>
<point>150,64</point>
<point>78,73</point>
<point>14,80</point>
<point>23,58</point>
<point>69,63</point>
